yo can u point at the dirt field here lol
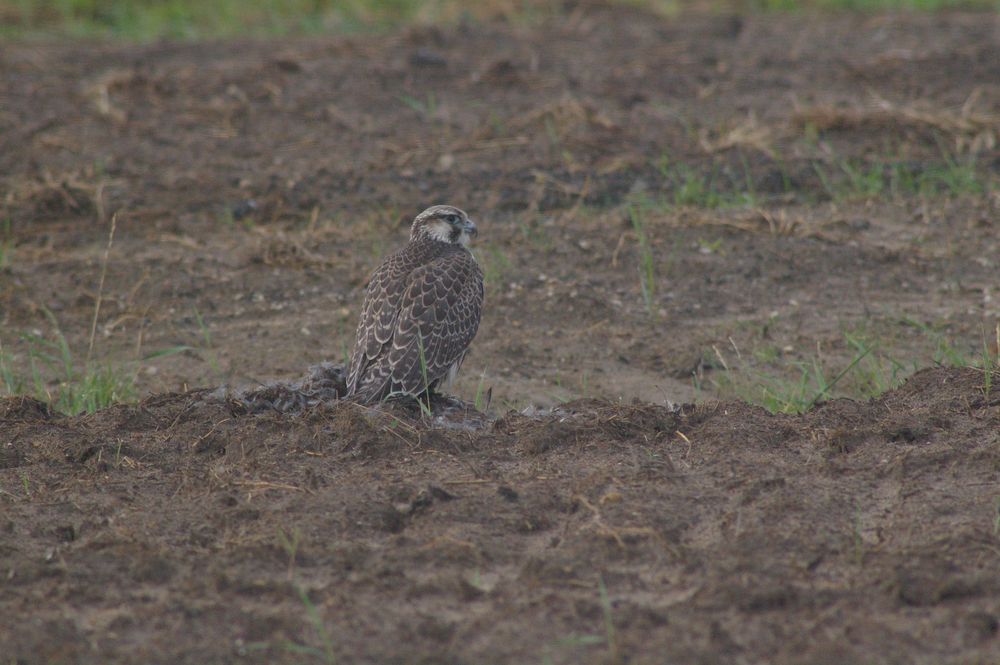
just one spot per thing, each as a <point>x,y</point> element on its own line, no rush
<point>666,207</point>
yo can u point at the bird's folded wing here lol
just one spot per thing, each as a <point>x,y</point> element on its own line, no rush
<point>378,316</point>
<point>438,318</point>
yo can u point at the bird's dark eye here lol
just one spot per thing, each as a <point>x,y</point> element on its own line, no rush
<point>452,219</point>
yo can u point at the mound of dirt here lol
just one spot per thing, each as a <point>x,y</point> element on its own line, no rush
<point>185,530</point>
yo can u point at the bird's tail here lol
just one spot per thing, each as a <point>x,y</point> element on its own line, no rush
<point>368,393</point>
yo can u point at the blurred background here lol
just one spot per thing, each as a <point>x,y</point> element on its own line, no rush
<point>770,200</point>
<point>191,19</point>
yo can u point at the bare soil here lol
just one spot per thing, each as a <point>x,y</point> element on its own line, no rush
<point>584,517</point>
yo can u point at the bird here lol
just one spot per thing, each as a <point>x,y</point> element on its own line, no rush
<point>421,311</point>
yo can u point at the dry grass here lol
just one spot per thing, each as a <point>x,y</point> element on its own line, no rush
<point>973,130</point>
<point>745,133</point>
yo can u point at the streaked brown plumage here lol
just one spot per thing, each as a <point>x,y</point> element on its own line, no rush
<point>426,299</point>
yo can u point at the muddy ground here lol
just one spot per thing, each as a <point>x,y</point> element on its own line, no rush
<point>254,185</point>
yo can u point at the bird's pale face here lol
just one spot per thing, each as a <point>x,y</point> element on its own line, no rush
<point>445,224</point>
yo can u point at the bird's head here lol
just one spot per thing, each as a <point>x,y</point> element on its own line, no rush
<point>445,224</point>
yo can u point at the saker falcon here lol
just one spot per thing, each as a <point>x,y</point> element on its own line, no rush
<point>421,310</point>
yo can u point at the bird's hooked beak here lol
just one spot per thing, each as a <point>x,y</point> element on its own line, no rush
<point>470,228</point>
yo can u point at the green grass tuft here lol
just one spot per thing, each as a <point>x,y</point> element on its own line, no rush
<point>426,108</point>
<point>856,180</point>
<point>137,20</point>
<point>6,246</point>
<point>778,394</point>
<point>483,397</point>
<point>326,654</point>
<point>424,407</point>
<point>795,386</point>
<point>76,388</point>
<point>59,377</point>
<point>647,264</point>
<point>495,264</point>
<point>716,188</point>
<point>718,185</point>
